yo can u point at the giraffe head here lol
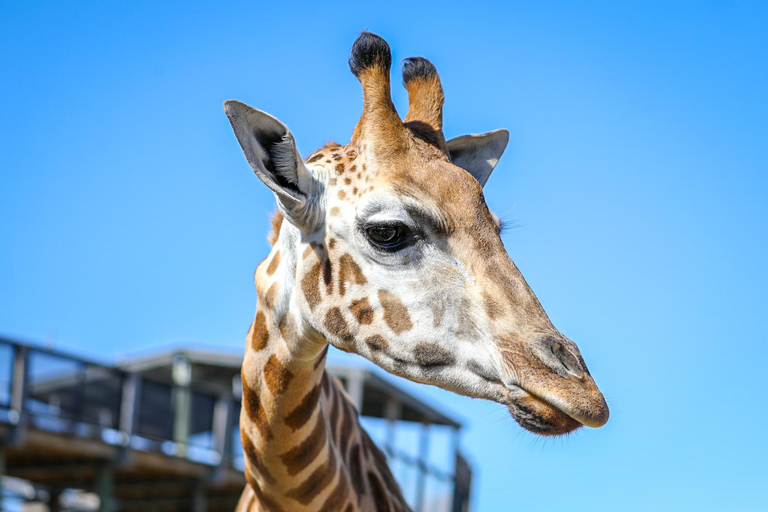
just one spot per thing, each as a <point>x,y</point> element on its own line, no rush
<point>395,255</point>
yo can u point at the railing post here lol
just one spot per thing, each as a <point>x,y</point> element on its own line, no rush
<point>462,484</point>
<point>223,413</point>
<point>130,403</point>
<point>19,391</point>
<point>421,466</point>
<point>392,413</point>
<point>182,402</point>
<point>2,466</point>
<point>199,496</point>
<point>104,486</point>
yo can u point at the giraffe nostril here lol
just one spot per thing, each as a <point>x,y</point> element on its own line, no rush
<point>563,354</point>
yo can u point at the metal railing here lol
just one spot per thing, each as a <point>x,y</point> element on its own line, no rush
<point>179,417</point>
<point>53,391</point>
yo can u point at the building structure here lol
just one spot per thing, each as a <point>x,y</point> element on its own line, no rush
<point>160,433</point>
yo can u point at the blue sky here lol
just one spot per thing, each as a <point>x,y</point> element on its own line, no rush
<point>636,179</point>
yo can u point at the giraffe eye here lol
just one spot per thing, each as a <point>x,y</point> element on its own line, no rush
<point>389,237</point>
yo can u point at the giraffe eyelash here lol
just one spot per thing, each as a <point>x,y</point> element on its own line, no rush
<point>506,224</point>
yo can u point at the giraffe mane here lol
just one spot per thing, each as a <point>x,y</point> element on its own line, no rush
<point>276,223</point>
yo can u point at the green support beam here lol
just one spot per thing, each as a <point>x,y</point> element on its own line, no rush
<point>199,497</point>
<point>104,487</point>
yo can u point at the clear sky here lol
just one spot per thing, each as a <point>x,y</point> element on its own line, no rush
<point>636,179</point>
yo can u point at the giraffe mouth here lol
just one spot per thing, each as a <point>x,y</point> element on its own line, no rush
<point>539,415</point>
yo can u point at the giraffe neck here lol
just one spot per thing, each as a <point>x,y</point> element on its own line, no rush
<point>304,447</point>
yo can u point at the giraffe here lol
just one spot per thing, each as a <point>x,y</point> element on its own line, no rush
<point>385,247</point>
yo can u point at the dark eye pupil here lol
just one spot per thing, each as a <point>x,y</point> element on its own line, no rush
<point>383,234</point>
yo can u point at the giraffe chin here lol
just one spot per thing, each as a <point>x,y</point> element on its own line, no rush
<point>538,416</point>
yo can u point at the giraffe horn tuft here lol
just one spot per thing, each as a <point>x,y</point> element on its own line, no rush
<point>425,101</point>
<point>415,68</point>
<point>369,51</point>
<point>370,61</point>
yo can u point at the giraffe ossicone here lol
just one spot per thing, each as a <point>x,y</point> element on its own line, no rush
<point>387,249</point>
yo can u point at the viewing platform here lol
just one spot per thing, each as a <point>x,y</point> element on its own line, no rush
<point>161,433</point>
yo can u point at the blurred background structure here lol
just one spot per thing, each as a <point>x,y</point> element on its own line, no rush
<point>161,433</point>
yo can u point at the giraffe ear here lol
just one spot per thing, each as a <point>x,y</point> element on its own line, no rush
<point>478,154</point>
<point>271,151</point>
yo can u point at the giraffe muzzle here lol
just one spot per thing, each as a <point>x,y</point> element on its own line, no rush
<point>553,392</point>
<point>557,411</point>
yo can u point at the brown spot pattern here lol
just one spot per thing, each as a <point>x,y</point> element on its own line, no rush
<point>377,343</point>
<point>349,272</point>
<point>349,416</point>
<point>310,286</point>
<point>277,223</point>
<point>260,332</point>
<point>298,417</point>
<point>395,313</point>
<point>336,325</point>
<point>315,483</point>
<point>276,375</point>
<point>298,457</point>
<point>380,460</point>
<point>334,396</point>
<point>356,470</point>
<point>255,410</point>
<point>287,327</point>
<point>269,297</point>
<point>362,310</point>
<point>274,263</point>
<point>328,275</point>
<point>379,493</point>
<point>338,496</point>
<point>266,503</point>
<point>254,458</point>
<point>431,354</point>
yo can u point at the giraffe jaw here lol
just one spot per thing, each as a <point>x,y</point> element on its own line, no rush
<point>547,416</point>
